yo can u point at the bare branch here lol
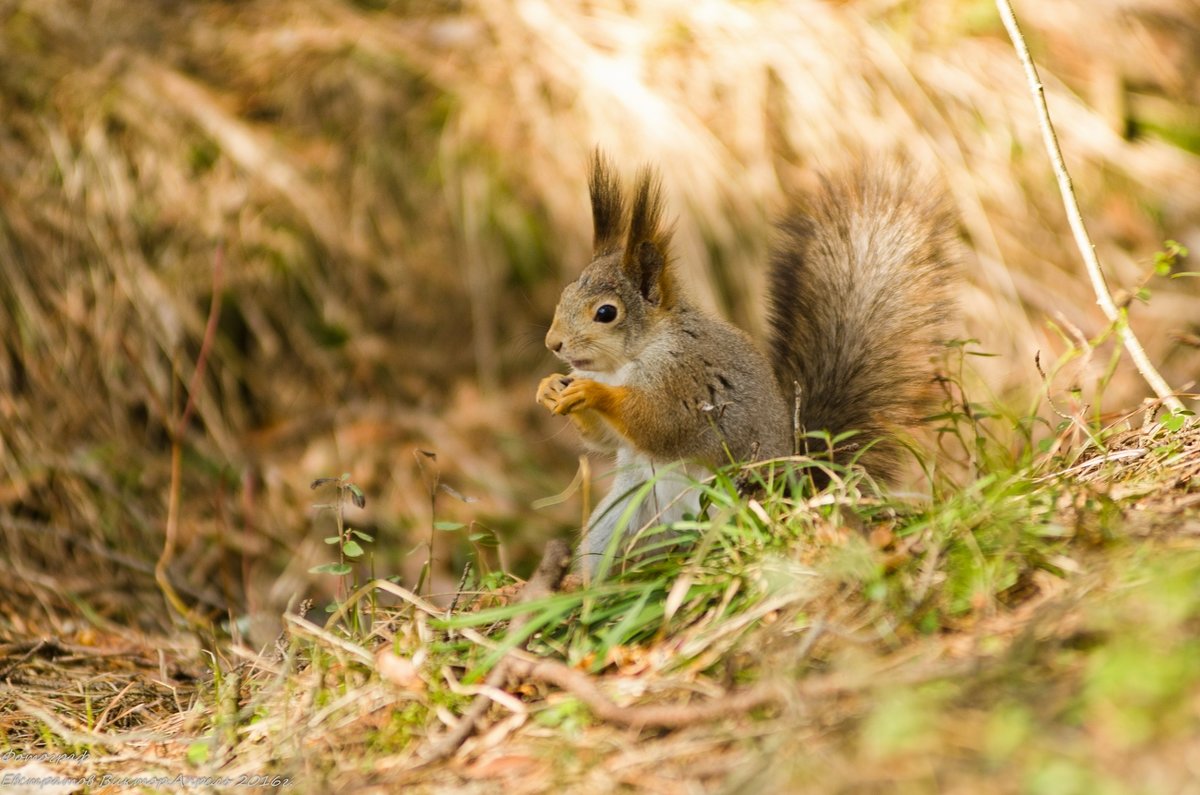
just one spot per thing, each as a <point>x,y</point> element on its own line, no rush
<point>1082,240</point>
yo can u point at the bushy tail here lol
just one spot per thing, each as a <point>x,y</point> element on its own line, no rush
<point>861,283</point>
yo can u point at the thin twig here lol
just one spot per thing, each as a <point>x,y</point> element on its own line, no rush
<point>458,592</point>
<point>352,600</point>
<point>210,334</point>
<point>1092,463</point>
<point>418,454</point>
<point>1082,240</point>
<point>173,495</point>
<point>34,648</point>
<point>797,423</point>
<point>662,716</point>
<point>678,716</point>
<point>309,628</point>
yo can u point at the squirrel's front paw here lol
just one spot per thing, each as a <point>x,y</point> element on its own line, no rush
<point>580,393</point>
<point>550,390</point>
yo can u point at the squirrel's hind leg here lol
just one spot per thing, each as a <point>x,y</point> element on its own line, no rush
<point>628,508</point>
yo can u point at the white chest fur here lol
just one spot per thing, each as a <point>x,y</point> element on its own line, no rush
<point>617,377</point>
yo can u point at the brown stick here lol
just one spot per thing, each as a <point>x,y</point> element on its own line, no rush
<point>676,716</point>
<point>662,716</point>
<point>173,494</point>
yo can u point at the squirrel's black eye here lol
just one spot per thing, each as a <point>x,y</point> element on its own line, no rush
<point>607,313</point>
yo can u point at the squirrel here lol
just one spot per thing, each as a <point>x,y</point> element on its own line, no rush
<point>859,292</point>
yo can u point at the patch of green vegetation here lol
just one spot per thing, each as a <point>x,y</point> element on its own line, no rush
<point>1183,134</point>
<point>1138,685</point>
<point>203,155</point>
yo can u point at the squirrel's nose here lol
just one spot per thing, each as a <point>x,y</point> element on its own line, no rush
<point>554,340</point>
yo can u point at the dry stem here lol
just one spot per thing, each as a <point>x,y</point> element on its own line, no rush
<point>1082,240</point>
<point>172,529</point>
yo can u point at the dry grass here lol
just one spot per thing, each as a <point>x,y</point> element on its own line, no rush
<point>399,190</point>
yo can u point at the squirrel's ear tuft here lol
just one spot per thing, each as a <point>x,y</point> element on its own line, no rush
<point>648,250</point>
<point>650,272</point>
<point>608,206</point>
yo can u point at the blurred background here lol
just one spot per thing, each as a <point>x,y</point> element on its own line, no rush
<point>395,192</point>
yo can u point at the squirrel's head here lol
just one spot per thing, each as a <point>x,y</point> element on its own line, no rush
<point>603,316</point>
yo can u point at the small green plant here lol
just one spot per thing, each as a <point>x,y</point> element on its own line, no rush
<point>427,463</point>
<point>963,430</point>
<point>1176,420</point>
<point>1165,260</point>
<point>346,539</point>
